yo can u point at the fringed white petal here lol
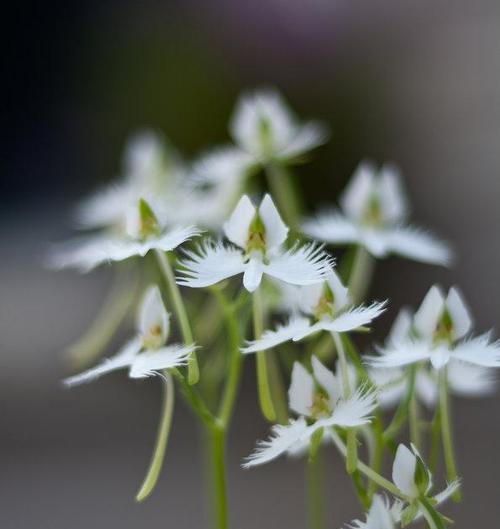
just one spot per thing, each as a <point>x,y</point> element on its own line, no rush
<point>301,390</point>
<point>282,334</point>
<point>331,227</point>
<point>479,351</point>
<point>210,264</point>
<point>151,362</point>
<point>447,493</point>
<point>418,245</point>
<point>357,317</point>
<point>281,439</point>
<point>353,411</point>
<point>301,265</point>
<point>470,380</point>
<point>122,359</point>
<point>400,354</point>
<point>174,237</point>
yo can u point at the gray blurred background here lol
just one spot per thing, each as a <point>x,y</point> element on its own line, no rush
<point>413,82</point>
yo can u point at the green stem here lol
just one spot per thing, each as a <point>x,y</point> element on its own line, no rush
<point>315,491</point>
<point>361,274</point>
<point>435,441</point>
<point>352,442</point>
<point>378,454</point>
<point>264,389</point>
<point>366,470</point>
<point>109,316</point>
<point>218,457</point>
<point>446,435</point>
<point>180,312</point>
<point>432,517</point>
<point>161,441</point>
<point>413,413</point>
<point>282,189</point>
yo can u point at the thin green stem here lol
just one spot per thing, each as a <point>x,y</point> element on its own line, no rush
<point>315,491</point>
<point>366,470</point>
<point>361,274</point>
<point>181,314</point>
<point>264,389</point>
<point>435,441</point>
<point>432,517</point>
<point>283,191</point>
<point>413,412</point>
<point>446,435</point>
<point>218,469</point>
<point>161,441</point>
<point>378,454</point>
<point>352,442</point>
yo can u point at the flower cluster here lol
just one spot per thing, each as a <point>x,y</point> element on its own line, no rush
<point>241,259</point>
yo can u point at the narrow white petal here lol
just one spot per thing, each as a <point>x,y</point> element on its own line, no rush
<point>401,327</point>
<point>419,245</point>
<point>276,229</point>
<point>238,225</point>
<point>282,334</point>
<point>282,438</point>
<point>301,390</point>
<point>153,314</point>
<point>359,191</point>
<point>307,137</point>
<point>479,351</point>
<point>430,311</point>
<point>340,292</point>
<point>403,471</point>
<point>357,317</point>
<point>212,263</point>
<point>309,297</point>
<point>391,194</point>
<point>301,265</point>
<point>122,359</point>
<point>326,379</point>
<point>252,275</point>
<point>400,354</point>
<point>459,312</point>
<point>331,227</point>
<point>151,362</point>
<point>352,412</point>
<point>222,165</point>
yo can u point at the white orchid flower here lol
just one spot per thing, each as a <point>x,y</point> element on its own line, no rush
<point>258,234</point>
<point>144,232</point>
<point>380,516</point>
<point>151,170</point>
<point>440,326</point>
<point>146,354</point>
<point>264,127</point>
<point>464,379</point>
<point>327,307</point>
<point>317,399</point>
<point>373,215</point>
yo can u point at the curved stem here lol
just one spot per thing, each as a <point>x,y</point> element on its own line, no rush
<point>264,390</point>
<point>161,441</point>
<point>446,435</point>
<point>180,312</point>
<point>361,274</point>
<point>282,188</point>
<point>366,470</point>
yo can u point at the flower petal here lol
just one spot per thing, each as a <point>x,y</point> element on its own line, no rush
<point>400,354</point>
<point>153,315</point>
<point>359,191</point>
<point>151,362</point>
<point>307,137</point>
<point>403,471</point>
<point>276,229</point>
<point>479,351</point>
<point>391,194</point>
<point>430,311</point>
<point>122,359</point>
<point>331,227</point>
<point>401,327</point>
<point>237,226</point>
<point>351,412</point>
<point>282,334</point>
<point>212,263</point>
<point>470,380</point>
<point>459,312</point>
<point>327,380</point>
<point>282,438</point>
<point>252,274</point>
<point>301,390</point>
<point>356,317</point>
<point>301,265</point>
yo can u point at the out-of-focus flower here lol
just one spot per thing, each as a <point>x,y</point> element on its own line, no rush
<point>317,399</point>
<point>440,326</point>
<point>328,308</point>
<point>463,379</point>
<point>143,232</point>
<point>373,215</point>
<point>380,516</point>
<point>264,127</point>
<point>259,235</point>
<point>146,354</point>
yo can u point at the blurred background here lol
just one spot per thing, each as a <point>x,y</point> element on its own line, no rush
<point>413,82</point>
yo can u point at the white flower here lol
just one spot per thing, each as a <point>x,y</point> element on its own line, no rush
<point>392,383</point>
<point>144,232</point>
<point>380,516</point>
<point>264,127</point>
<point>152,171</point>
<point>374,211</point>
<point>317,399</point>
<point>327,306</point>
<point>258,235</point>
<point>440,327</point>
<point>146,354</point>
